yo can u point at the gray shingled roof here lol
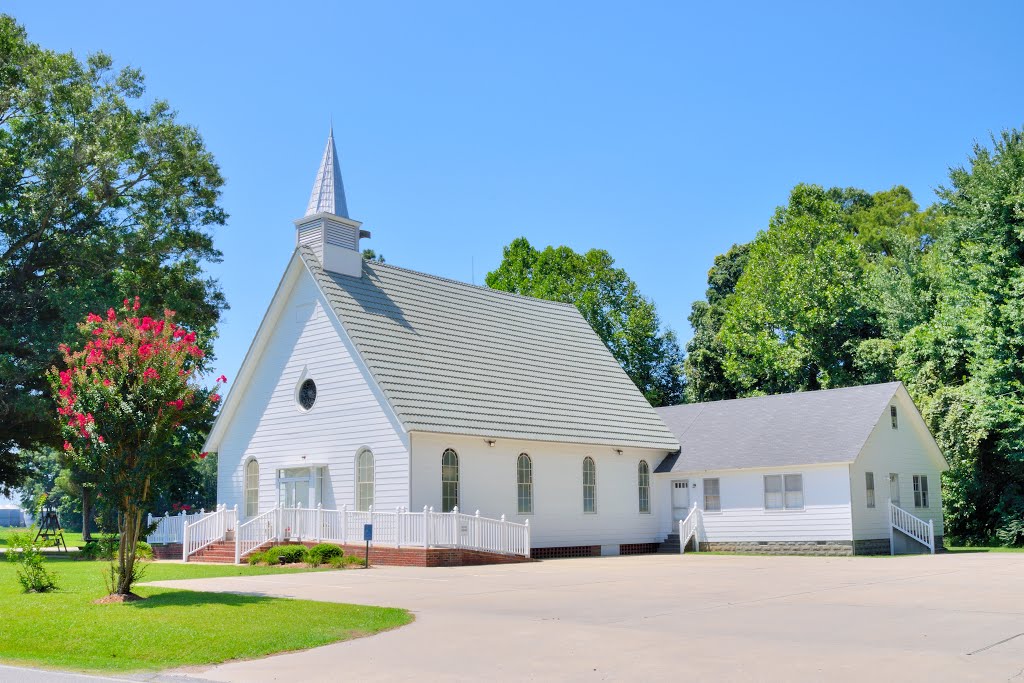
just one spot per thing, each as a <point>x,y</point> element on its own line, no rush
<point>804,428</point>
<point>461,359</point>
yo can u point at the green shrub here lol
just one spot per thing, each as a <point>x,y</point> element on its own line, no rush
<point>258,557</point>
<point>106,549</point>
<point>342,561</point>
<point>23,551</point>
<point>1011,534</point>
<point>322,553</point>
<point>285,554</point>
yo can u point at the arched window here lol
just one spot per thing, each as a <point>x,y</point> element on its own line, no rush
<point>524,484</point>
<point>589,485</point>
<point>364,480</point>
<point>449,480</point>
<point>252,488</point>
<point>643,483</point>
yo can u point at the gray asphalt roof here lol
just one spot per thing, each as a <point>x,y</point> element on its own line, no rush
<point>810,427</point>
<point>457,358</point>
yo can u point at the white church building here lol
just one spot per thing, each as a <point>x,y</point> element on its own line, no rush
<point>447,414</point>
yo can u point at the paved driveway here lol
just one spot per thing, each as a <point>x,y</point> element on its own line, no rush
<point>692,617</point>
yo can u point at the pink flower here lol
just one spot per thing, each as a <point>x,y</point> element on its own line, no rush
<point>93,318</point>
<point>150,373</point>
<point>111,314</point>
<point>179,404</point>
<point>107,382</point>
<point>203,454</point>
<point>222,378</point>
<point>214,398</point>
<point>67,446</point>
<point>135,306</point>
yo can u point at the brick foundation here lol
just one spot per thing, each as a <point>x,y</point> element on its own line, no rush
<point>566,551</point>
<point>638,548</point>
<point>832,548</point>
<point>424,557</point>
<point>871,546</point>
<point>167,551</point>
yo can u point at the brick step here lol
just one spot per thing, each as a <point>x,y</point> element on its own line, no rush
<point>222,552</point>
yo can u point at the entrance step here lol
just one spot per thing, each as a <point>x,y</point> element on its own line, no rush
<point>222,552</point>
<point>670,544</point>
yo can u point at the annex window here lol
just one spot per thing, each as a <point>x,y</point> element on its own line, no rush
<point>643,483</point>
<point>869,488</point>
<point>524,484</point>
<point>783,491</point>
<point>364,480</point>
<point>920,491</point>
<point>712,495</point>
<point>449,480</point>
<point>252,488</point>
<point>894,417</point>
<point>589,485</point>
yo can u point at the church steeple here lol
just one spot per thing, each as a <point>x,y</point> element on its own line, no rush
<point>326,227</point>
<point>328,194</point>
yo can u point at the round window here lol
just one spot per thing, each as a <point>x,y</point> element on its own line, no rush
<point>307,394</point>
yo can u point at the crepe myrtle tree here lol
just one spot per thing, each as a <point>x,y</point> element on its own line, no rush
<point>126,395</point>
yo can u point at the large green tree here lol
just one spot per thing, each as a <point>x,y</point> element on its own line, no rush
<point>706,379</point>
<point>965,364</point>
<point>102,194</point>
<point>610,301</point>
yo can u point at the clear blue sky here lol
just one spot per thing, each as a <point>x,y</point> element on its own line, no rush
<point>660,132</point>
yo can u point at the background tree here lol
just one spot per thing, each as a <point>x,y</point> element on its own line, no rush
<point>126,399</point>
<point>609,300</point>
<point>99,195</point>
<point>704,368</point>
<point>965,364</point>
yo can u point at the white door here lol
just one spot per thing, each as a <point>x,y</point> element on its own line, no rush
<point>680,499</point>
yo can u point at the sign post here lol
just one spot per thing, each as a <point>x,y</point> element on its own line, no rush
<point>367,536</point>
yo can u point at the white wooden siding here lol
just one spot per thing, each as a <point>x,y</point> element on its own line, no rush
<point>824,517</point>
<point>906,451</point>
<point>488,484</point>
<point>349,413</point>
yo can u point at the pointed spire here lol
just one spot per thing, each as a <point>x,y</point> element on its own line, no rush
<point>328,191</point>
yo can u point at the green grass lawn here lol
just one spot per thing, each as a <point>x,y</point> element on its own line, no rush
<point>171,627</point>
<point>70,538</point>
<point>982,549</point>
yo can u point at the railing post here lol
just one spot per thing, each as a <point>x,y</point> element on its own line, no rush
<point>344,523</point>
<point>931,535</point>
<point>427,512</point>
<point>319,522</point>
<point>528,547</point>
<point>476,530</point>
<point>504,534</point>
<point>682,544</point>
<point>184,542</point>
<point>279,522</point>
<point>398,526</point>
<point>892,537</point>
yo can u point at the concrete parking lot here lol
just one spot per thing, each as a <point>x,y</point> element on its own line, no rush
<point>693,617</point>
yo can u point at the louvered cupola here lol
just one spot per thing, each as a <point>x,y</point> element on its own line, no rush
<point>326,227</point>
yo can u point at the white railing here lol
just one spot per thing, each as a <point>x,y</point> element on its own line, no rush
<point>690,527</point>
<point>921,531</point>
<point>400,528</point>
<point>209,529</point>
<point>254,533</point>
<point>170,527</point>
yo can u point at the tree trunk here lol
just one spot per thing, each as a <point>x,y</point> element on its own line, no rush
<point>86,513</point>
